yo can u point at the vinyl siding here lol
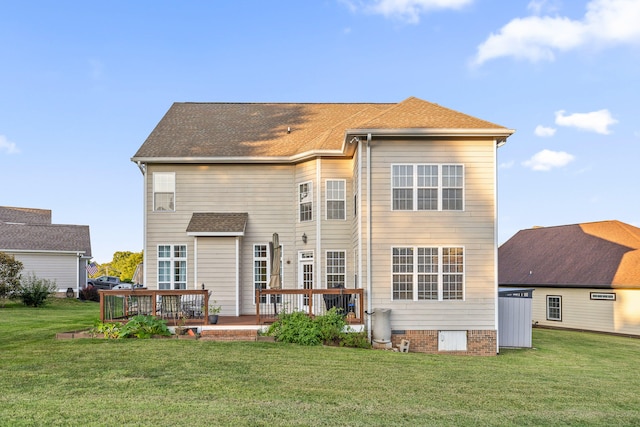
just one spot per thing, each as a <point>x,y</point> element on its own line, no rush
<point>579,311</point>
<point>217,270</point>
<point>472,229</point>
<point>63,268</point>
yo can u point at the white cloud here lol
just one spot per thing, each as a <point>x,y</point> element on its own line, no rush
<point>506,165</point>
<point>8,146</point>
<point>544,132</point>
<point>536,38</point>
<point>405,10</point>
<point>596,121</point>
<point>537,6</point>
<point>546,160</point>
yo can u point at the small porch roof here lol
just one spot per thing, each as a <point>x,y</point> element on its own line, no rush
<point>219,224</point>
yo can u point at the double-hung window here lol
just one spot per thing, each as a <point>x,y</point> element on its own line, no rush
<point>305,198</point>
<point>428,273</point>
<point>172,267</point>
<point>427,187</point>
<point>336,269</point>
<point>554,307</point>
<point>336,198</point>
<point>164,191</point>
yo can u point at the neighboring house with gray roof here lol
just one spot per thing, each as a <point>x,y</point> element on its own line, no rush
<point>396,198</point>
<point>50,251</point>
<point>584,276</point>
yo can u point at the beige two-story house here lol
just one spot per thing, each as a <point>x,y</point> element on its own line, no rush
<point>397,199</point>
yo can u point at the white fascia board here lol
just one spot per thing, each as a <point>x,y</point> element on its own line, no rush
<point>239,159</point>
<point>216,233</point>
<point>39,251</point>
<point>500,133</point>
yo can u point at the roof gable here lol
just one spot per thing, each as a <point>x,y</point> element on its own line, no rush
<point>605,253</point>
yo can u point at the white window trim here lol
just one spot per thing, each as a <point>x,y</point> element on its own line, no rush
<point>153,191</point>
<point>326,267</point>
<point>440,274</point>
<point>308,198</point>
<point>172,259</point>
<point>343,199</point>
<point>559,319</point>
<point>439,188</point>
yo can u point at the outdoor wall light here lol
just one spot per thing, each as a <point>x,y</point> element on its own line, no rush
<point>304,237</point>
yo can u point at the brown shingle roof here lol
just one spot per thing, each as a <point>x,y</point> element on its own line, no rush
<point>215,223</point>
<point>254,130</point>
<point>45,237</point>
<point>25,215</point>
<point>599,254</point>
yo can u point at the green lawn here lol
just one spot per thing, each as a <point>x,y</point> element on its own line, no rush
<point>570,378</point>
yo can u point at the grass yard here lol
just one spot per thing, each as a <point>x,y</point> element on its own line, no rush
<point>570,378</point>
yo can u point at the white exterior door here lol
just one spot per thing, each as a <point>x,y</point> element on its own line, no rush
<point>305,276</point>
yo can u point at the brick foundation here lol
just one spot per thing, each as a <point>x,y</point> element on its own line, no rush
<point>479,343</point>
<point>229,335</point>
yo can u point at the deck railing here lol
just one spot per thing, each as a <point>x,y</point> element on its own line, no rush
<point>314,302</point>
<point>189,307</point>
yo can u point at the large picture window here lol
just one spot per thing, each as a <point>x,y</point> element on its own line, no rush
<point>305,197</point>
<point>428,273</point>
<point>425,187</point>
<point>172,267</point>
<point>336,198</point>
<point>164,191</point>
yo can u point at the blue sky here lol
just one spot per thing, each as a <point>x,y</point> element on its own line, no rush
<point>82,84</point>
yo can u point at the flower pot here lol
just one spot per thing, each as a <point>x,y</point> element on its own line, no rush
<point>213,319</point>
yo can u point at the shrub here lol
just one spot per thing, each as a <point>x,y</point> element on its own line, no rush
<point>89,293</point>
<point>330,325</point>
<point>34,292</point>
<point>138,326</point>
<point>9,276</point>
<point>296,328</point>
<point>108,330</point>
<point>144,327</point>
<point>299,328</point>
<point>355,339</point>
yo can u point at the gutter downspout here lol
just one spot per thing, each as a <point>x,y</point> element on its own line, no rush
<point>143,170</point>
<point>495,242</point>
<point>318,256</point>
<point>369,232</point>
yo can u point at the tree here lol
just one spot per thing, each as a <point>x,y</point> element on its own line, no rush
<point>125,263</point>
<point>10,276</point>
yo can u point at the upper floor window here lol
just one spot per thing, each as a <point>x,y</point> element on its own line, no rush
<point>164,191</point>
<point>336,199</point>
<point>427,187</point>
<point>429,273</point>
<point>172,267</point>
<point>305,197</point>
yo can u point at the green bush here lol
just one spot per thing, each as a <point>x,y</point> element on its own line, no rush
<point>296,328</point>
<point>355,339</point>
<point>10,277</point>
<point>138,326</point>
<point>90,293</point>
<point>109,330</point>
<point>34,292</point>
<point>299,328</point>
<point>144,327</point>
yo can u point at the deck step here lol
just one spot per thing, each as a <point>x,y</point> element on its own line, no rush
<point>229,335</point>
